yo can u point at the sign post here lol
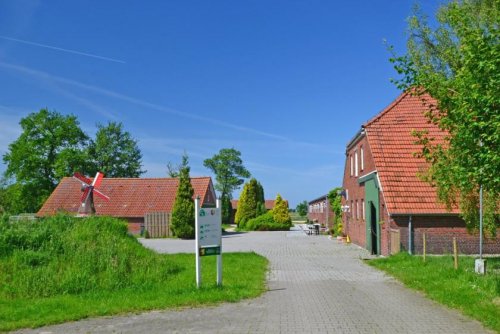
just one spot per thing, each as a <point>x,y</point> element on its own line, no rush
<point>208,234</point>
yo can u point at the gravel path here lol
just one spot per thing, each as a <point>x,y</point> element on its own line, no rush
<point>316,285</point>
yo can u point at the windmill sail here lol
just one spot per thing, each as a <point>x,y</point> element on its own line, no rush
<point>89,188</point>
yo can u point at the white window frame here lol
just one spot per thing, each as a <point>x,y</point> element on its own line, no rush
<point>362,154</point>
<point>363,208</point>
<point>352,165</point>
<point>356,170</point>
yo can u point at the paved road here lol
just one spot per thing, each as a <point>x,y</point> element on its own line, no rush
<point>316,285</point>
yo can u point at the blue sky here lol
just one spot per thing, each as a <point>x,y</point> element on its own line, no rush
<point>287,83</point>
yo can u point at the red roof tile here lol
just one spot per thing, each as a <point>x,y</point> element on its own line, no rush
<point>392,147</point>
<point>129,197</point>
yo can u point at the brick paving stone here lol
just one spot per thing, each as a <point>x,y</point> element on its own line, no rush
<point>315,285</point>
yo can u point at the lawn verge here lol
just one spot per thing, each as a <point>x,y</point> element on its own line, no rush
<point>474,295</point>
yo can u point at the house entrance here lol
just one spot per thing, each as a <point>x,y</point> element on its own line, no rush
<point>374,229</point>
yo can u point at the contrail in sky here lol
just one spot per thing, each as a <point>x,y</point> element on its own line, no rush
<point>63,50</point>
<point>102,91</point>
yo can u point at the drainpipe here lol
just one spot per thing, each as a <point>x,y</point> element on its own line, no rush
<point>410,236</point>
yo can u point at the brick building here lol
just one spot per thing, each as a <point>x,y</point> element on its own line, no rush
<point>387,207</point>
<point>319,210</point>
<point>130,198</point>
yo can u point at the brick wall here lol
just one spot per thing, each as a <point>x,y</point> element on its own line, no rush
<point>354,223</point>
<point>439,233</point>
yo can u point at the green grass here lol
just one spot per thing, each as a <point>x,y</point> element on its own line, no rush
<point>64,269</point>
<point>475,295</point>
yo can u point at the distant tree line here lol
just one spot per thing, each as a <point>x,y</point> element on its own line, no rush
<point>53,145</point>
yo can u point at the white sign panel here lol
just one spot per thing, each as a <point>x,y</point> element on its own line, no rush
<point>209,222</point>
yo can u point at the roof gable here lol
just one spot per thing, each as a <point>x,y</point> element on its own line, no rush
<point>392,147</point>
<point>129,197</point>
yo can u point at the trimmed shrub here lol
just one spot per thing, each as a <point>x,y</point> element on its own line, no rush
<point>280,212</point>
<point>266,222</point>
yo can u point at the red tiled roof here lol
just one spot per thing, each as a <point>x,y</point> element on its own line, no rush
<point>392,147</point>
<point>129,197</point>
<point>269,204</point>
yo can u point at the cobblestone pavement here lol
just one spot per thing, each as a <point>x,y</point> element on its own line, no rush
<point>316,285</point>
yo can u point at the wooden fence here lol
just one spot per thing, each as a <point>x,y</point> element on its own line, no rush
<point>395,242</point>
<point>157,225</point>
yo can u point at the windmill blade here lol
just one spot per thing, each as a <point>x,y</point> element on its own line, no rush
<point>97,180</point>
<point>85,194</point>
<point>82,178</point>
<point>101,195</point>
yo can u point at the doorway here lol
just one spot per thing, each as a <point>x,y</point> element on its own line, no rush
<point>374,229</point>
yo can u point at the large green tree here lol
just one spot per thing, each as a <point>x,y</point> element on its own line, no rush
<point>183,219</point>
<point>50,147</point>
<point>302,208</point>
<point>250,203</point>
<point>114,152</point>
<point>457,63</point>
<point>229,176</point>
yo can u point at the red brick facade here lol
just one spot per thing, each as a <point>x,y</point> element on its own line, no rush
<point>320,211</point>
<point>381,168</point>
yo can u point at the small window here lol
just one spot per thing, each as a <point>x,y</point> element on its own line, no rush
<point>356,163</point>
<point>363,208</point>
<point>357,210</point>
<point>362,154</point>
<point>352,165</point>
<point>347,194</point>
<point>352,210</point>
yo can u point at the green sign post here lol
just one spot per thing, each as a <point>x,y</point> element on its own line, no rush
<point>208,232</point>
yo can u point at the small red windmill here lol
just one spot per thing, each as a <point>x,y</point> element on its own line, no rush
<point>89,188</point>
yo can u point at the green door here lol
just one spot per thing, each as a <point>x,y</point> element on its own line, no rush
<point>372,208</point>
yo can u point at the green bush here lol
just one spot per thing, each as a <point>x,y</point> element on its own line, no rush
<point>266,222</point>
<point>68,255</point>
<point>280,212</point>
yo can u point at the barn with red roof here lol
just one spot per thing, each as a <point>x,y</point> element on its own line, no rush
<point>387,207</point>
<point>130,198</point>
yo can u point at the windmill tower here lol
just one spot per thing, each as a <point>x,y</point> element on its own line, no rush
<point>89,188</point>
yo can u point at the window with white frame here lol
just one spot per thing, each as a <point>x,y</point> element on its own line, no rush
<point>362,156</point>
<point>352,165</point>
<point>357,210</point>
<point>347,194</point>
<point>363,208</point>
<point>352,210</point>
<point>356,163</point>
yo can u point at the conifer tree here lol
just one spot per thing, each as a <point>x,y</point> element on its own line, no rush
<point>280,212</point>
<point>182,223</point>
<point>247,204</point>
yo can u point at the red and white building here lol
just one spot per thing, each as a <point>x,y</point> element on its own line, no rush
<point>387,206</point>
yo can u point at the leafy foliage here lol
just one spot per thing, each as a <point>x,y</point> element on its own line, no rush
<point>266,222</point>
<point>280,212</point>
<point>50,147</point>
<point>67,255</point>
<point>172,170</point>
<point>457,63</point>
<point>251,202</point>
<point>335,200</point>
<point>114,152</point>
<point>229,176</point>
<point>302,208</point>
<point>183,210</point>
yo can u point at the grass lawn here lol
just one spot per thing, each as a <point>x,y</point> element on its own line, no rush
<point>475,295</point>
<point>64,269</point>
